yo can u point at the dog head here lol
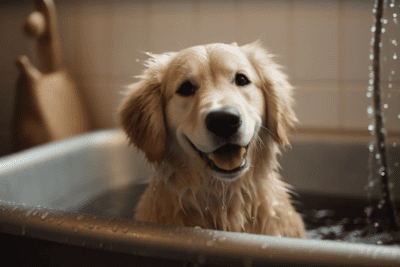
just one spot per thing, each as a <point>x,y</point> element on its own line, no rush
<point>209,104</point>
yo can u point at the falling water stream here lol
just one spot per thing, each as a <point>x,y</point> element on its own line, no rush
<point>379,172</point>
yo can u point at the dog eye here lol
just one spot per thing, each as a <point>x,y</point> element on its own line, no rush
<point>187,89</point>
<point>241,80</point>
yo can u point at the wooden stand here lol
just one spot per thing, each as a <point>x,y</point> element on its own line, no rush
<point>47,104</point>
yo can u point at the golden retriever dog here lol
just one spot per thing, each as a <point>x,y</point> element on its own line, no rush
<point>210,119</point>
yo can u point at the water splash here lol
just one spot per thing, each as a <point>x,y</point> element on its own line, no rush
<point>44,215</point>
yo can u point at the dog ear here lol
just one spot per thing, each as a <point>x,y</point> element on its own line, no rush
<point>278,92</point>
<point>142,115</point>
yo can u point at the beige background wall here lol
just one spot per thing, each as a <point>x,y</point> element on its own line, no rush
<point>324,45</point>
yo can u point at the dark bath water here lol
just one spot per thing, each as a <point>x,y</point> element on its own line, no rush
<point>326,217</point>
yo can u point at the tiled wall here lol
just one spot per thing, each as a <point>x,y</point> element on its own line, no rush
<point>324,45</point>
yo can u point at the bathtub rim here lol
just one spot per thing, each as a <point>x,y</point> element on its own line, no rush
<point>184,243</point>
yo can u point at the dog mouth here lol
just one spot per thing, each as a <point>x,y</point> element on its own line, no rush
<point>228,160</point>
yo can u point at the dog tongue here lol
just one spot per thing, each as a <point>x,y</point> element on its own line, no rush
<point>228,159</point>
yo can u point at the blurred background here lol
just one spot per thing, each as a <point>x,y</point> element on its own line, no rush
<point>324,45</point>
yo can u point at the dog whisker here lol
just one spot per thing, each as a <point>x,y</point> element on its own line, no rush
<point>265,128</point>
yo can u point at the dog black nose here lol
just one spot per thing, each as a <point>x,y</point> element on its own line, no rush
<point>224,122</point>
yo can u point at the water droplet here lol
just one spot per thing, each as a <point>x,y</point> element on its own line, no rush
<point>370,110</point>
<point>383,30</point>
<point>225,185</point>
<point>373,28</point>
<point>371,127</point>
<point>390,85</point>
<point>378,156</point>
<point>394,56</point>
<point>398,116</point>
<point>385,106</point>
<point>394,42</point>
<point>369,94</point>
<point>371,147</point>
<point>371,57</point>
<point>44,215</point>
<point>80,217</point>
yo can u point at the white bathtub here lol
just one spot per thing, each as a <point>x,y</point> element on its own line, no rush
<point>74,199</point>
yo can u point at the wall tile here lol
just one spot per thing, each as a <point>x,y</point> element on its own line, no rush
<point>356,47</point>
<point>356,104</point>
<point>315,30</point>
<point>100,93</point>
<point>94,38</point>
<point>130,37</point>
<point>172,26</point>
<point>68,28</point>
<point>13,41</point>
<point>215,22</point>
<point>316,103</point>
<point>268,21</point>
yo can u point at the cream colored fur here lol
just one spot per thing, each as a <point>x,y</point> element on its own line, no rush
<point>183,190</point>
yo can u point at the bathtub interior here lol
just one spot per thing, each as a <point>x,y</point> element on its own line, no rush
<point>98,174</point>
<point>68,174</point>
